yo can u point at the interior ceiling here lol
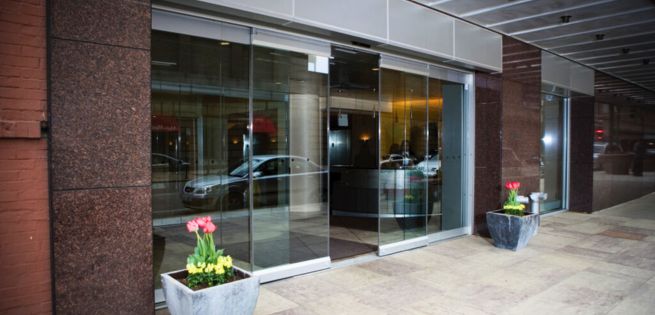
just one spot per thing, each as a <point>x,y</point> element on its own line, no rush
<point>613,36</point>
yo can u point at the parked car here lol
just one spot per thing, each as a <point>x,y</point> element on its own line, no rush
<point>271,174</point>
<point>430,166</point>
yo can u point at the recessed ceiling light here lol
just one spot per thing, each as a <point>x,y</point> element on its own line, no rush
<point>565,18</point>
<point>225,43</point>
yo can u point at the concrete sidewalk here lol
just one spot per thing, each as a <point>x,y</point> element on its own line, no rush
<point>602,263</point>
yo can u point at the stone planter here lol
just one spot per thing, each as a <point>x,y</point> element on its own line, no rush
<point>234,298</point>
<point>510,231</point>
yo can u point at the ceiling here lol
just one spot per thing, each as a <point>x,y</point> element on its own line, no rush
<point>613,36</point>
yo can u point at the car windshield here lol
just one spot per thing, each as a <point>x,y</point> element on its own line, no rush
<point>242,170</point>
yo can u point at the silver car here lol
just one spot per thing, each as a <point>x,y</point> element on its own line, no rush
<point>271,174</point>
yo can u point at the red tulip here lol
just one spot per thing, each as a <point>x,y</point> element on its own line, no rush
<point>508,185</point>
<point>209,227</point>
<point>192,226</point>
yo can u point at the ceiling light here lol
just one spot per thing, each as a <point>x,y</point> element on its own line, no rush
<point>565,18</point>
<point>225,43</point>
<point>600,36</point>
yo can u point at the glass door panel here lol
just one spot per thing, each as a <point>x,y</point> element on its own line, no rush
<point>552,151</point>
<point>289,158</point>
<point>431,167</point>
<point>353,147</point>
<point>452,162</point>
<point>199,131</point>
<point>403,144</point>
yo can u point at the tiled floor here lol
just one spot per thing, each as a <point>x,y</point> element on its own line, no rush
<point>603,263</point>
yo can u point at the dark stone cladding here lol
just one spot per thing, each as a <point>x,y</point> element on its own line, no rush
<point>488,113</point>
<point>103,251</point>
<point>521,118</point>
<point>581,173</point>
<point>99,107</point>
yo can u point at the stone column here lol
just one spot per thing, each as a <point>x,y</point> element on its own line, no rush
<point>99,55</point>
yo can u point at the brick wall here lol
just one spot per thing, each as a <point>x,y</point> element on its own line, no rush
<point>25,286</point>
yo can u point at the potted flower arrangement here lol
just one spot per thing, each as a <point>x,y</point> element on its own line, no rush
<point>210,284</point>
<point>512,227</point>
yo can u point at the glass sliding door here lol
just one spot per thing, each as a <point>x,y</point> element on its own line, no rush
<point>289,157</point>
<point>403,144</point>
<point>453,174</point>
<point>444,164</point>
<point>199,131</point>
<point>353,147</point>
<point>552,151</point>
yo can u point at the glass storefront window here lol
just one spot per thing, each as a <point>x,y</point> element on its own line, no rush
<point>552,151</point>
<point>242,131</point>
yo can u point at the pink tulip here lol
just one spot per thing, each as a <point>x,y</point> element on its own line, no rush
<point>209,227</point>
<point>508,185</point>
<point>192,226</point>
<point>203,221</point>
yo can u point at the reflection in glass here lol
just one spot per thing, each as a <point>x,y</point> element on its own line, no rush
<point>353,144</point>
<point>624,153</point>
<point>552,151</point>
<point>199,133</point>
<point>432,166</point>
<point>289,158</point>
<point>403,144</point>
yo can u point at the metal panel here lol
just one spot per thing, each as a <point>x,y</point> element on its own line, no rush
<point>290,42</point>
<point>366,18</point>
<point>582,79</point>
<point>420,28</point>
<point>290,270</point>
<point>402,246</point>
<point>395,63</point>
<point>277,8</point>
<point>478,46</point>
<point>555,70</point>
<point>195,26</point>
<point>448,74</point>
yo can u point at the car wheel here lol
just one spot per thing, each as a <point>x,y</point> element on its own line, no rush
<point>233,201</point>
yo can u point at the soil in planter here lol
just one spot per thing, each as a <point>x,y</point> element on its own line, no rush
<point>181,277</point>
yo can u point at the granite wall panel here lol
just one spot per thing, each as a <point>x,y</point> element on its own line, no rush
<point>121,23</point>
<point>100,115</point>
<point>99,105</point>
<point>521,118</point>
<point>488,114</point>
<point>102,247</point>
<point>581,141</point>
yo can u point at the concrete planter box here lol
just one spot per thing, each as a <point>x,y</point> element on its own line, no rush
<point>510,231</point>
<point>233,298</point>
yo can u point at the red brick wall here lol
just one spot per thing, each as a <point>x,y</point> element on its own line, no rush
<point>24,234</point>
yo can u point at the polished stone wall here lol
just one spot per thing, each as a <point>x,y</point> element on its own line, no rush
<point>488,114</point>
<point>100,156</point>
<point>521,119</point>
<point>581,142</point>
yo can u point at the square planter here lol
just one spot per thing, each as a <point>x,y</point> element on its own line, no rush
<point>510,231</point>
<point>234,298</point>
